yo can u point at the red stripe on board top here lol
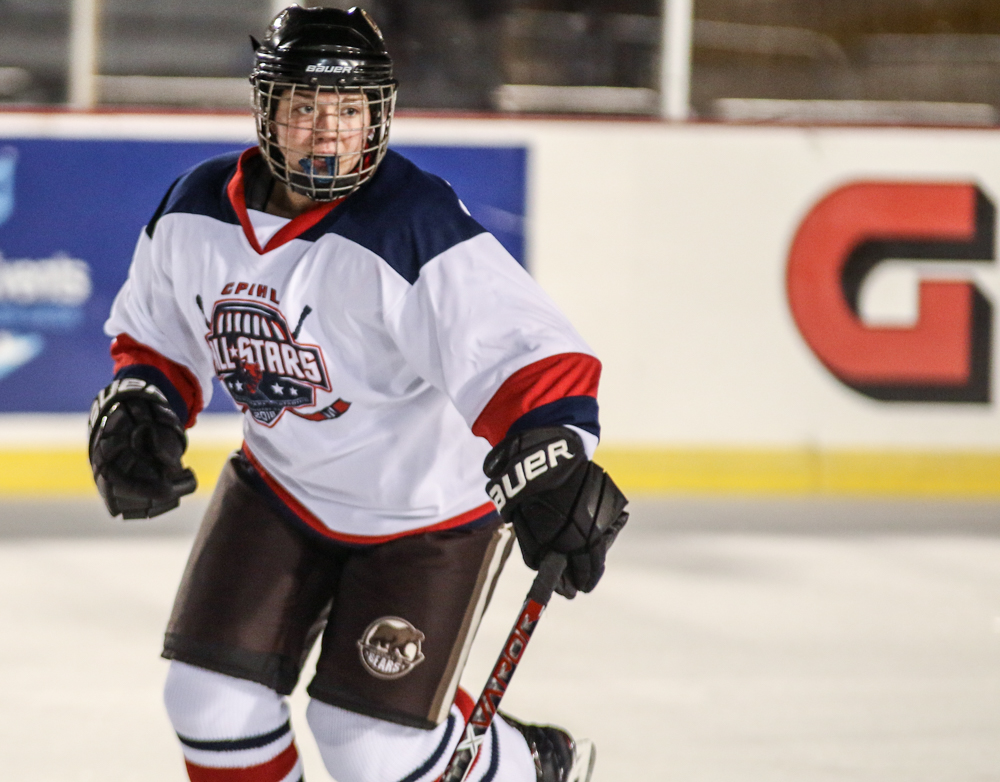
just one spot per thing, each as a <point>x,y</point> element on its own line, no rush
<point>126,352</point>
<point>291,230</point>
<point>307,517</point>
<point>274,770</point>
<point>545,381</point>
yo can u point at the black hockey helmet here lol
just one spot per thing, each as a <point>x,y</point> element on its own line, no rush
<point>320,59</point>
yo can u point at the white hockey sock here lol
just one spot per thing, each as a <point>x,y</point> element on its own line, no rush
<point>231,730</point>
<point>356,748</point>
<point>504,756</point>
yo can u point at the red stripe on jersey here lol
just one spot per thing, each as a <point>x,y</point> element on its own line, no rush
<point>126,352</point>
<point>465,703</point>
<point>291,230</point>
<point>545,381</point>
<point>274,770</point>
<point>306,516</point>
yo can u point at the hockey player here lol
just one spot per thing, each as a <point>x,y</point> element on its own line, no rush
<point>382,345</point>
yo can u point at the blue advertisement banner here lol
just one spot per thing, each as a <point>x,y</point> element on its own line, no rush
<point>71,212</point>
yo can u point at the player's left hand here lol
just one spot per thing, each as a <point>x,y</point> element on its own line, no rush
<point>558,500</point>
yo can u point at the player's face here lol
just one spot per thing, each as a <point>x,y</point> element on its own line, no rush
<point>312,126</point>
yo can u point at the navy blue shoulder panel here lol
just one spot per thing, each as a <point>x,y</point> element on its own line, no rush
<point>201,191</point>
<point>403,214</point>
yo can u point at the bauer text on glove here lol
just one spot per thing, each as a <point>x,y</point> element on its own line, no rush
<point>558,500</point>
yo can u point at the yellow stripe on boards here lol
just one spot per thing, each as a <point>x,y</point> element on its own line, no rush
<point>66,472</point>
<point>31,473</point>
<point>708,471</point>
<point>803,471</point>
<point>917,474</point>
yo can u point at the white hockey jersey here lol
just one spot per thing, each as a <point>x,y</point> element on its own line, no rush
<point>377,346</point>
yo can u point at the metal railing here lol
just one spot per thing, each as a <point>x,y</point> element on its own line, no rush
<point>87,87</point>
<point>783,61</point>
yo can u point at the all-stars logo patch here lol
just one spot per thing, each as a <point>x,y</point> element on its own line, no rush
<point>266,370</point>
<point>391,647</point>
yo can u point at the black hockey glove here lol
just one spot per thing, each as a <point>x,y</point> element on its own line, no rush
<point>136,443</point>
<point>558,500</point>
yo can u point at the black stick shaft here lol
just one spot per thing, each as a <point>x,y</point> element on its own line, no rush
<point>485,709</point>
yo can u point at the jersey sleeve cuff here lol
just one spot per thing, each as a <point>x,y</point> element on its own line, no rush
<point>577,411</point>
<point>556,391</point>
<point>178,384</point>
<point>158,379</point>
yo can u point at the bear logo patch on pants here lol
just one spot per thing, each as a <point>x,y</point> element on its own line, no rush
<point>391,647</point>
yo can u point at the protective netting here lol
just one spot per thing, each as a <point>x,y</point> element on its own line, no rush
<point>323,141</point>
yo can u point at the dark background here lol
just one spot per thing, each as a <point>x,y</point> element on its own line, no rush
<point>454,54</point>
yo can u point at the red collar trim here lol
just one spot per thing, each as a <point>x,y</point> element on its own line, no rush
<point>292,230</point>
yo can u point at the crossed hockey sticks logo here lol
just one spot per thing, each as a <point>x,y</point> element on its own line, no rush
<point>260,361</point>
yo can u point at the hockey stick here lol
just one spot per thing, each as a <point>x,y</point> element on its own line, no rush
<point>485,709</point>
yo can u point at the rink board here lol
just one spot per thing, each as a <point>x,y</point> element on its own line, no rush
<point>45,456</point>
<point>65,472</point>
<point>673,249</point>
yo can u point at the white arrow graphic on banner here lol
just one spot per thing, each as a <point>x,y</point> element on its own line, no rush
<point>17,350</point>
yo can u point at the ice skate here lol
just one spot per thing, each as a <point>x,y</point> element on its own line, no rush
<point>558,758</point>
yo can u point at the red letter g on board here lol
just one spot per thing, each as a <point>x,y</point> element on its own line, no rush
<point>945,356</point>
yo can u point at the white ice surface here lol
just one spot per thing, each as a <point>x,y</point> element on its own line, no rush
<point>843,641</point>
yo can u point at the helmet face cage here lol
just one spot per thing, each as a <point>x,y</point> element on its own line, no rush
<point>322,141</point>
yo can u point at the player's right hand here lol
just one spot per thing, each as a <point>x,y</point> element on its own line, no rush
<point>136,443</point>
